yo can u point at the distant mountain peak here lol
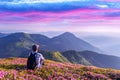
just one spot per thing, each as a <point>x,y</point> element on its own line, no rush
<point>19,35</point>
<point>2,35</point>
<point>67,34</point>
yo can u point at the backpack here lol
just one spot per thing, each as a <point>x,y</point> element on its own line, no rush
<point>31,62</point>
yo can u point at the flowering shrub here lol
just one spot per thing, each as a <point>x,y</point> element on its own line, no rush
<point>15,69</point>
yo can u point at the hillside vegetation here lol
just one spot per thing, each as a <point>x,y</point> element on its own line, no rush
<point>15,69</point>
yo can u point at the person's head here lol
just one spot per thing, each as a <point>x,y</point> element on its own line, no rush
<point>35,47</point>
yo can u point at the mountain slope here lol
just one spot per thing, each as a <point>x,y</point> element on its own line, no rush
<point>108,44</point>
<point>101,60</point>
<point>2,35</point>
<point>92,58</point>
<point>18,44</point>
<point>68,41</point>
<point>15,44</point>
<point>42,40</point>
<point>75,57</point>
<point>55,56</point>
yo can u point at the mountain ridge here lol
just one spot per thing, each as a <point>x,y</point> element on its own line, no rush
<point>61,48</point>
<point>75,42</point>
<point>3,35</point>
<point>58,43</point>
<point>101,60</point>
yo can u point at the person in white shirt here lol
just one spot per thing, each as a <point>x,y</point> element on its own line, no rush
<point>38,56</point>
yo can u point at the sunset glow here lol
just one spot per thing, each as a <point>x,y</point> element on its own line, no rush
<point>60,15</point>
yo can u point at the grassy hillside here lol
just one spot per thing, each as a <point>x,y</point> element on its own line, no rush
<point>75,57</point>
<point>55,56</point>
<point>67,56</point>
<point>14,69</point>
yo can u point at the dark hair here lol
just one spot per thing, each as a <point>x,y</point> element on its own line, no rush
<point>35,47</point>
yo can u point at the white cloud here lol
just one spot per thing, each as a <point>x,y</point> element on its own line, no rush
<point>103,6</point>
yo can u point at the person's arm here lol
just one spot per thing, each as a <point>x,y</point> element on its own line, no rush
<point>42,60</point>
<point>37,61</point>
<point>42,57</point>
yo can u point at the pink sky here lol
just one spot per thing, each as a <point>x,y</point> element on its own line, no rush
<point>99,18</point>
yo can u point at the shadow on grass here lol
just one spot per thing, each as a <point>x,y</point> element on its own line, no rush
<point>13,66</point>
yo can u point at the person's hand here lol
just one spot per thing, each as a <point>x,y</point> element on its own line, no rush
<point>43,63</point>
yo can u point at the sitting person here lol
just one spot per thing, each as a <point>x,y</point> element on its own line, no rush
<point>35,59</point>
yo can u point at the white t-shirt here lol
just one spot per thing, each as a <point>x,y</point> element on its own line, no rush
<point>39,57</point>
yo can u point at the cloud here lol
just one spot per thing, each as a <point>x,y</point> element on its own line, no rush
<point>103,6</point>
<point>59,15</point>
<point>52,10</point>
<point>39,1</point>
<point>55,5</point>
<point>45,7</point>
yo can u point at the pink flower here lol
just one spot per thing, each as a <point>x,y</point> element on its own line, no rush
<point>2,73</point>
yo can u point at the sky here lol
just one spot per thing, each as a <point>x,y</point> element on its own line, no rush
<point>85,16</point>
